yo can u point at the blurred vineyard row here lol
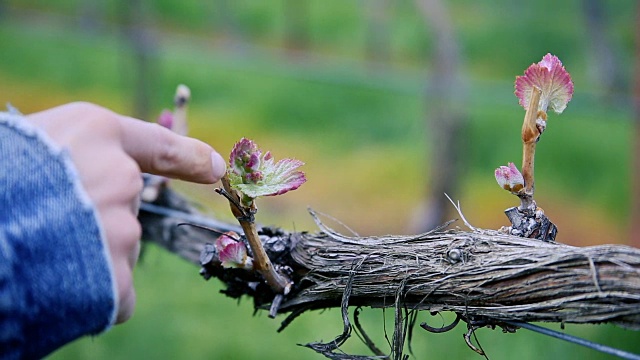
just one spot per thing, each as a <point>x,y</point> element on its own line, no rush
<point>355,89</point>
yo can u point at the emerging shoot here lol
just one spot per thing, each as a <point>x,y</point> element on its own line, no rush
<point>544,85</point>
<point>175,121</point>
<point>252,174</point>
<point>180,102</point>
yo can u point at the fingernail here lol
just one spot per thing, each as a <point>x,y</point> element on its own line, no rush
<point>219,165</point>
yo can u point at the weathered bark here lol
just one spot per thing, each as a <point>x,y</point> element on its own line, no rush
<point>481,275</point>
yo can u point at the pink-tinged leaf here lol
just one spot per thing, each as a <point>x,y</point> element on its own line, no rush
<point>285,177</point>
<point>550,76</point>
<point>278,179</point>
<point>233,255</point>
<point>166,119</point>
<point>510,178</point>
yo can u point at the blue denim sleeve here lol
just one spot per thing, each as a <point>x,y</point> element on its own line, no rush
<point>56,281</point>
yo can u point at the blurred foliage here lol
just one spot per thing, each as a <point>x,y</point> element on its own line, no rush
<point>360,126</point>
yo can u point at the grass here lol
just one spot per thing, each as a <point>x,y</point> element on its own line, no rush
<point>364,135</point>
<point>276,99</point>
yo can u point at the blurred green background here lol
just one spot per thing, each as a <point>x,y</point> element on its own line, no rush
<point>344,85</point>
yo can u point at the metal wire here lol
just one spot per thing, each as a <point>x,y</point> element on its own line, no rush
<point>191,218</point>
<point>576,340</point>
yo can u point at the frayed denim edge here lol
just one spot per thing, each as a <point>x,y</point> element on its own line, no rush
<point>18,122</point>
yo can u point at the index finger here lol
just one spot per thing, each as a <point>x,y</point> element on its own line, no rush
<point>160,151</point>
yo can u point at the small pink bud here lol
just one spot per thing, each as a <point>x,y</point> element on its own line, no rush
<point>230,237</point>
<point>253,177</point>
<point>510,178</point>
<point>245,157</point>
<point>232,253</point>
<point>166,119</point>
<point>551,78</point>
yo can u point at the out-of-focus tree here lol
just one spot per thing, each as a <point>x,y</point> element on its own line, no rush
<point>296,15</point>
<point>634,238</point>
<point>446,115</point>
<point>378,45</point>
<point>226,22</point>
<point>91,15</point>
<point>603,65</point>
<point>134,15</point>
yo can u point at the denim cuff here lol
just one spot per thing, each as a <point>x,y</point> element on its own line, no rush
<point>56,280</point>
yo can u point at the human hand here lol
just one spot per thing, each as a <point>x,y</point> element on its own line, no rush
<point>109,152</point>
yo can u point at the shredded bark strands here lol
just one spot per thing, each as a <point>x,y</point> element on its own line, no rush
<point>482,273</point>
<point>486,277</point>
